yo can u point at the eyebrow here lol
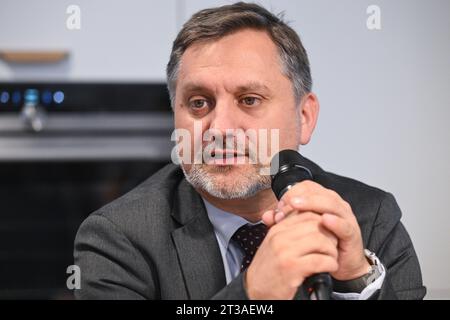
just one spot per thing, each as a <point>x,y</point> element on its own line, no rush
<point>194,86</point>
<point>253,86</point>
<point>249,86</point>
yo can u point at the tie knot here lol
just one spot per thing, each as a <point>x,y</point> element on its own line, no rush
<point>249,238</point>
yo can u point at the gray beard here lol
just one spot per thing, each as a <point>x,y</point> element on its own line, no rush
<point>246,186</point>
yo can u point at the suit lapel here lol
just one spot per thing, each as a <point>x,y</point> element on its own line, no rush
<point>196,245</point>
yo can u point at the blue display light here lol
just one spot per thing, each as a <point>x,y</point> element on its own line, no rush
<point>31,96</point>
<point>46,97</point>
<point>58,97</point>
<point>16,97</point>
<point>4,97</point>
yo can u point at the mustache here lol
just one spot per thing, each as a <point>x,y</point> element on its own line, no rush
<point>230,147</point>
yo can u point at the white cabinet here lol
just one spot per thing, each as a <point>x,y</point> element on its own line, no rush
<point>117,41</point>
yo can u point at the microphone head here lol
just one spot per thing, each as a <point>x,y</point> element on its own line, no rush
<point>287,169</point>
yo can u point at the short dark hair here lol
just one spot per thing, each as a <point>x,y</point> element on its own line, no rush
<point>215,23</point>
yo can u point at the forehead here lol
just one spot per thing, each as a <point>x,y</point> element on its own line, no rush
<point>244,56</point>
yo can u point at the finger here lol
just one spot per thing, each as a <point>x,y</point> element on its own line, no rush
<point>293,219</point>
<point>303,239</point>
<point>279,215</point>
<point>271,217</point>
<point>268,218</point>
<point>281,204</point>
<point>299,217</point>
<point>301,245</point>
<point>287,210</point>
<point>312,264</point>
<point>311,196</point>
<point>307,222</point>
<point>324,202</point>
<point>302,188</point>
<point>343,229</point>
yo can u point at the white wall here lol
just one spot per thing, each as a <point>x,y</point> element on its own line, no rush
<point>385,95</point>
<point>118,40</point>
<point>385,104</point>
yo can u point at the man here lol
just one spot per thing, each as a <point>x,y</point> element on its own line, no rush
<point>194,231</point>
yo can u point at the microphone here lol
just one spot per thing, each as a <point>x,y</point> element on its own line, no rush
<point>286,169</point>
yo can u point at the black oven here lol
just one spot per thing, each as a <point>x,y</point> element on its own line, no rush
<point>66,149</point>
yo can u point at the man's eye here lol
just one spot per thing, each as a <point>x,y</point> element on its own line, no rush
<point>198,103</point>
<point>251,101</point>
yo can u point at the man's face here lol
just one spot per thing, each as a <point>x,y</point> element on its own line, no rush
<point>235,83</point>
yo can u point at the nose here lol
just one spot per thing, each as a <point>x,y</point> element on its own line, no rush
<point>224,117</point>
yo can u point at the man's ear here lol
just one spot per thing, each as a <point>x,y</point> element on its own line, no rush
<point>309,114</point>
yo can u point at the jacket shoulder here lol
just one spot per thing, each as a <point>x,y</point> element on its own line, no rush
<point>147,206</point>
<point>370,205</point>
<point>350,188</point>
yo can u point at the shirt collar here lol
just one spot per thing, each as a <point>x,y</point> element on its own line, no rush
<point>225,223</point>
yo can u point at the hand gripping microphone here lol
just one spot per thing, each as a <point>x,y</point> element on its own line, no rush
<point>286,169</point>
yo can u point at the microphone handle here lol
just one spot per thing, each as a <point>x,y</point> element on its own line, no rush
<point>289,171</point>
<point>319,285</point>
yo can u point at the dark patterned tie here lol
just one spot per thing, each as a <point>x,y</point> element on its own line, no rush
<point>249,238</point>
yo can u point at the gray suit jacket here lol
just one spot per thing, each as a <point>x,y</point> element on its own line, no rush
<point>156,242</point>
